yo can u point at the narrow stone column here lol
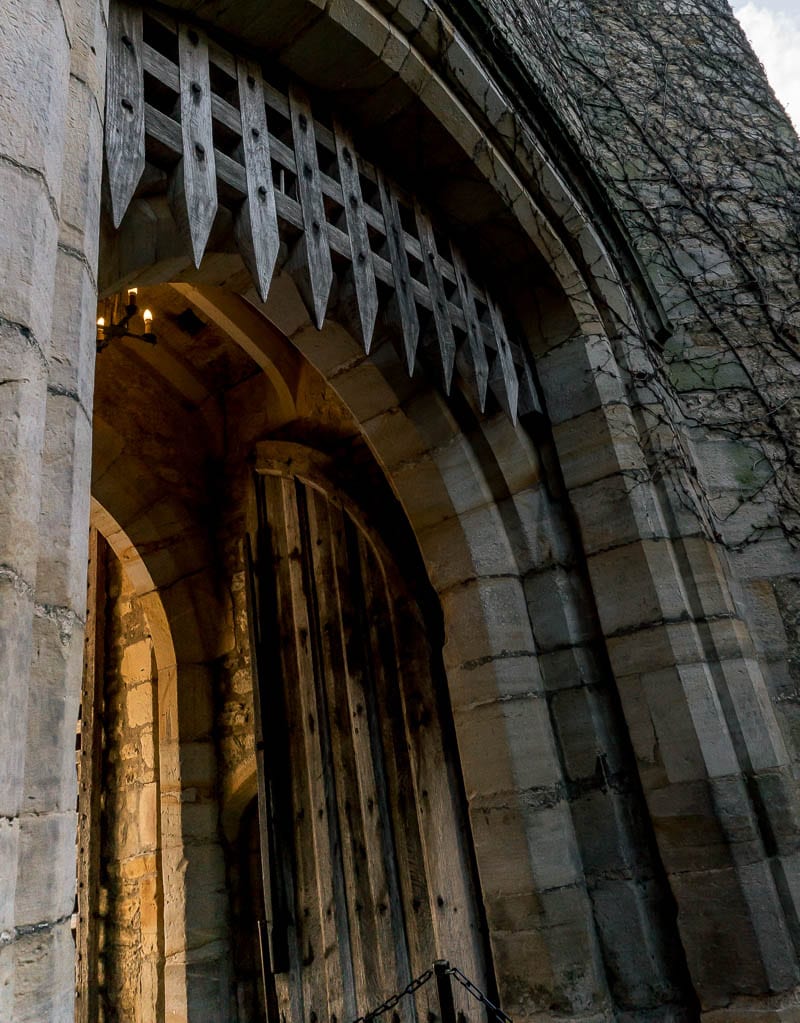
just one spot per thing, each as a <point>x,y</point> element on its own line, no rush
<point>51,78</point>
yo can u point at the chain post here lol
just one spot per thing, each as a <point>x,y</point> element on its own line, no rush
<point>444,988</point>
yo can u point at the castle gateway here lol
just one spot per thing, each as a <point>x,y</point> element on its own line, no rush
<point>419,384</point>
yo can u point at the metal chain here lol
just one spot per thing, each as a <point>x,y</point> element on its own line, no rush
<point>476,992</point>
<point>390,1003</point>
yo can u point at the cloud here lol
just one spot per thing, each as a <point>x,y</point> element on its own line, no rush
<point>775,36</point>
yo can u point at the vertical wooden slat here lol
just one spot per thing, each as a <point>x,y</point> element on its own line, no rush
<point>365,712</point>
<point>403,299</point>
<point>273,555</point>
<point>363,272</point>
<point>441,311</point>
<point>321,780</point>
<point>276,928</point>
<point>325,534</point>
<point>124,106</point>
<point>446,862</point>
<point>194,185</point>
<point>317,264</point>
<point>480,364</point>
<point>507,383</point>
<point>409,857</point>
<point>257,223</point>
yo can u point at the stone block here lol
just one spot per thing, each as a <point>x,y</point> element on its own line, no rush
<point>524,970</point>
<point>50,781</point>
<point>564,669</point>
<point>505,678</point>
<point>764,619</point>
<point>553,849</point>
<point>22,415</point>
<point>515,465</point>
<point>709,577</point>
<point>136,667</point>
<point>536,529</point>
<point>396,436</point>
<point>46,869</point>
<point>689,833</point>
<point>34,78</point>
<point>501,848</point>
<point>44,973</point>
<point>148,815</point>
<point>6,976</point>
<point>636,585</point>
<point>79,205</point>
<point>195,712</point>
<point>73,341</point>
<point>471,545</point>
<point>572,381</point>
<point>66,495</point>
<point>518,731</point>
<point>585,729</point>
<point>598,444</point>
<point>27,253</point>
<point>616,511</point>
<point>689,724</point>
<point>462,474</point>
<point>574,952</point>
<point>364,390</point>
<point>423,494</point>
<point>630,918</point>
<point>484,619</point>
<point>198,765</point>
<point>654,647</point>
<point>9,848</point>
<point>16,648</point>
<point>755,716</point>
<point>717,933</point>
<point>560,608</point>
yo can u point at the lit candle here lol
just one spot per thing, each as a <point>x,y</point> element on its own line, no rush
<point>101,327</point>
<point>132,293</point>
<point>148,321</point>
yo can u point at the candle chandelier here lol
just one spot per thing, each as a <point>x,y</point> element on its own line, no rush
<point>107,332</point>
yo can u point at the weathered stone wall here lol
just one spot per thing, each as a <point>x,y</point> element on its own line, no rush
<point>131,903</point>
<point>51,100</point>
<point>672,115</point>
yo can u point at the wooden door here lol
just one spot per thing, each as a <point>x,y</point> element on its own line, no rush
<point>367,869</point>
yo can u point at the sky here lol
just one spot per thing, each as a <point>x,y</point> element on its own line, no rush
<point>773,28</point>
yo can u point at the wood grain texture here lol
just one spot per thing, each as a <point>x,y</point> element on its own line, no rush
<point>381,874</point>
<point>316,270</point>
<point>124,132</point>
<point>477,350</point>
<point>504,378</point>
<point>431,260</point>
<point>257,222</point>
<point>195,183</point>
<point>403,306</point>
<point>362,268</point>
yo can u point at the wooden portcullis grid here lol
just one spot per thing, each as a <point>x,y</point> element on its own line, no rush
<point>224,135</point>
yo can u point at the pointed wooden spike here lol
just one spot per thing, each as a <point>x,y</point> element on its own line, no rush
<point>198,169</point>
<point>441,310</point>
<point>317,250</point>
<point>507,388</point>
<point>124,106</point>
<point>528,395</point>
<point>257,224</point>
<point>404,294</point>
<point>363,271</point>
<point>477,349</point>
